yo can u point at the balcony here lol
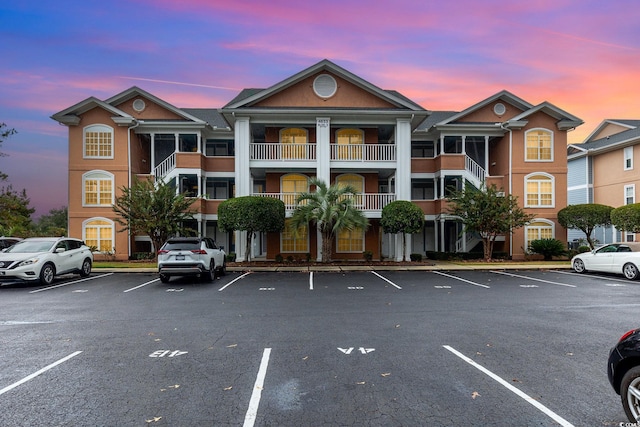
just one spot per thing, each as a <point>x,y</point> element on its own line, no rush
<point>308,152</point>
<point>368,202</point>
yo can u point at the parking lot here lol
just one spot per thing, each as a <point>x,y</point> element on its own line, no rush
<point>382,348</point>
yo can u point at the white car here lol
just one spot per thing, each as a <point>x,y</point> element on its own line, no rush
<point>621,258</point>
<point>43,258</point>
<point>184,256</point>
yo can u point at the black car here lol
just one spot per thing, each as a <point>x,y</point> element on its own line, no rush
<point>624,372</point>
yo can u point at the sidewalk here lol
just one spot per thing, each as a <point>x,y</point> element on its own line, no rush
<point>432,266</point>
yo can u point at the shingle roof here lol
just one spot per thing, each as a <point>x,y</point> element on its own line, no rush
<point>435,117</point>
<point>617,138</point>
<point>210,115</point>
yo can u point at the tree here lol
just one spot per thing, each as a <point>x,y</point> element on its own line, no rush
<point>488,212</point>
<point>54,223</point>
<point>548,248</point>
<point>15,213</point>
<point>585,217</point>
<point>5,133</point>
<point>403,217</point>
<point>153,209</point>
<point>627,218</point>
<point>253,214</point>
<point>331,209</point>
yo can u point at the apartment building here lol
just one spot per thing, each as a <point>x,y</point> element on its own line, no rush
<point>603,170</point>
<point>329,123</point>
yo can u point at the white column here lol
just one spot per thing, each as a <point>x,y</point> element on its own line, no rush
<point>153,155</point>
<point>442,246</point>
<point>403,177</point>
<point>323,163</point>
<point>242,174</point>
<point>487,166</point>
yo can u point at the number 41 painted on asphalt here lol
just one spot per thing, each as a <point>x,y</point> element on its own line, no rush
<point>167,353</point>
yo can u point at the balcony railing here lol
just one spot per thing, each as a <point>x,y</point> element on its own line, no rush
<point>282,152</point>
<point>364,202</point>
<point>166,166</point>
<point>339,152</point>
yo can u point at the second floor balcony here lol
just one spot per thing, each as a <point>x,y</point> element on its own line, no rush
<point>370,203</point>
<point>263,151</point>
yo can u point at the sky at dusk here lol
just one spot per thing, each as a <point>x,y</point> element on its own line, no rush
<point>580,55</point>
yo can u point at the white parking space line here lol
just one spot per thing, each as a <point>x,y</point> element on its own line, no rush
<point>555,417</point>
<point>140,286</point>
<point>534,279</point>
<point>252,412</point>
<point>386,280</point>
<point>593,276</point>
<point>233,281</point>
<point>41,371</point>
<point>311,280</point>
<point>462,280</point>
<point>70,283</point>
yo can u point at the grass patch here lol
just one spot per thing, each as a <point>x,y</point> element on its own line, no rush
<point>124,264</point>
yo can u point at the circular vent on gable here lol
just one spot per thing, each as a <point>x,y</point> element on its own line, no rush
<point>139,105</point>
<point>499,109</point>
<point>325,86</point>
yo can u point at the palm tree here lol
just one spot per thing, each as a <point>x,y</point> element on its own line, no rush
<point>331,209</point>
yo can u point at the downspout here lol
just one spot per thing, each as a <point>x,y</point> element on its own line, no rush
<point>129,129</point>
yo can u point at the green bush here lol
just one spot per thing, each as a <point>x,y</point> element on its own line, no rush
<point>231,257</point>
<point>415,257</point>
<point>583,249</point>
<point>548,248</point>
<point>279,258</point>
<point>367,255</point>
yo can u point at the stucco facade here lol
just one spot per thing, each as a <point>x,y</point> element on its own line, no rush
<point>322,122</point>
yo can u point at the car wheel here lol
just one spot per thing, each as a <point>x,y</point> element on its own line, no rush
<point>164,278</point>
<point>630,393</point>
<point>210,274</point>
<point>630,271</point>
<point>85,270</point>
<point>223,269</point>
<point>47,274</point>
<point>578,266</point>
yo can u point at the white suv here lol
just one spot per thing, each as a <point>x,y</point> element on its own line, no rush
<point>43,258</point>
<point>184,256</point>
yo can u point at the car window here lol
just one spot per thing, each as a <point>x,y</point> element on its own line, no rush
<point>624,249</point>
<point>182,245</point>
<point>609,248</point>
<point>74,244</point>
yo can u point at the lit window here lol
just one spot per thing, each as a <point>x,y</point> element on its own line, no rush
<point>628,158</point>
<point>539,191</point>
<point>349,144</point>
<point>294,241</point>
<point>98,142</point>
<point>539,229</point>
<point>292,185</point>
<point>351,241</point>
<point>97,189</point>
<point>98,233</point>
<point>539,145</point>
<point>294,143</point>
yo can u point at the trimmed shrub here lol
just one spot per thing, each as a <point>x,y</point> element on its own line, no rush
<point>548,248</point>
<point>367,255</point>
<point>415,257</point>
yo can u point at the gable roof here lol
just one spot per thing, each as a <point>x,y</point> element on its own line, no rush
<point>248,97</point>
<point>71,115</point>
<point>608,143</point>
<point>630,124</point>
<point>503,95</point>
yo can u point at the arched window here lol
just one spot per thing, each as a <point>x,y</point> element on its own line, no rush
<point>98,232</point>
<point>291,186</point>
<point>294,143</point>
<point>539,190</point>
<point>97,188</point>
<point>539,229</point>
<point>349,144</point>
<point>97,142</point>
<point>539,145</point>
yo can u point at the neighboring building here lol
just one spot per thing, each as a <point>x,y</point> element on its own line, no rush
<point>327,122</point>
<point>603,170</point>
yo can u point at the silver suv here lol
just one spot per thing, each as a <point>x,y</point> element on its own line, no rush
<point>184,256</point>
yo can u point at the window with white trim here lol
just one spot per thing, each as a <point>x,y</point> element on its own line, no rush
<point>629,194</point>
<point>538,229</point>
<point>291,186</point>
<point>350,241</point>
<point>539,190</point>
<point>294,143</point>
<point>349,144</point>
<point>97,142</point>
<point>98,233</point>
<point>628,158</point>
<point>539,145</point>
<point>294,240</point>
<point>97,188</point>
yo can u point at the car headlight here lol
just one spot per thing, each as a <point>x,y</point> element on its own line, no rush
<point>29,261</point>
